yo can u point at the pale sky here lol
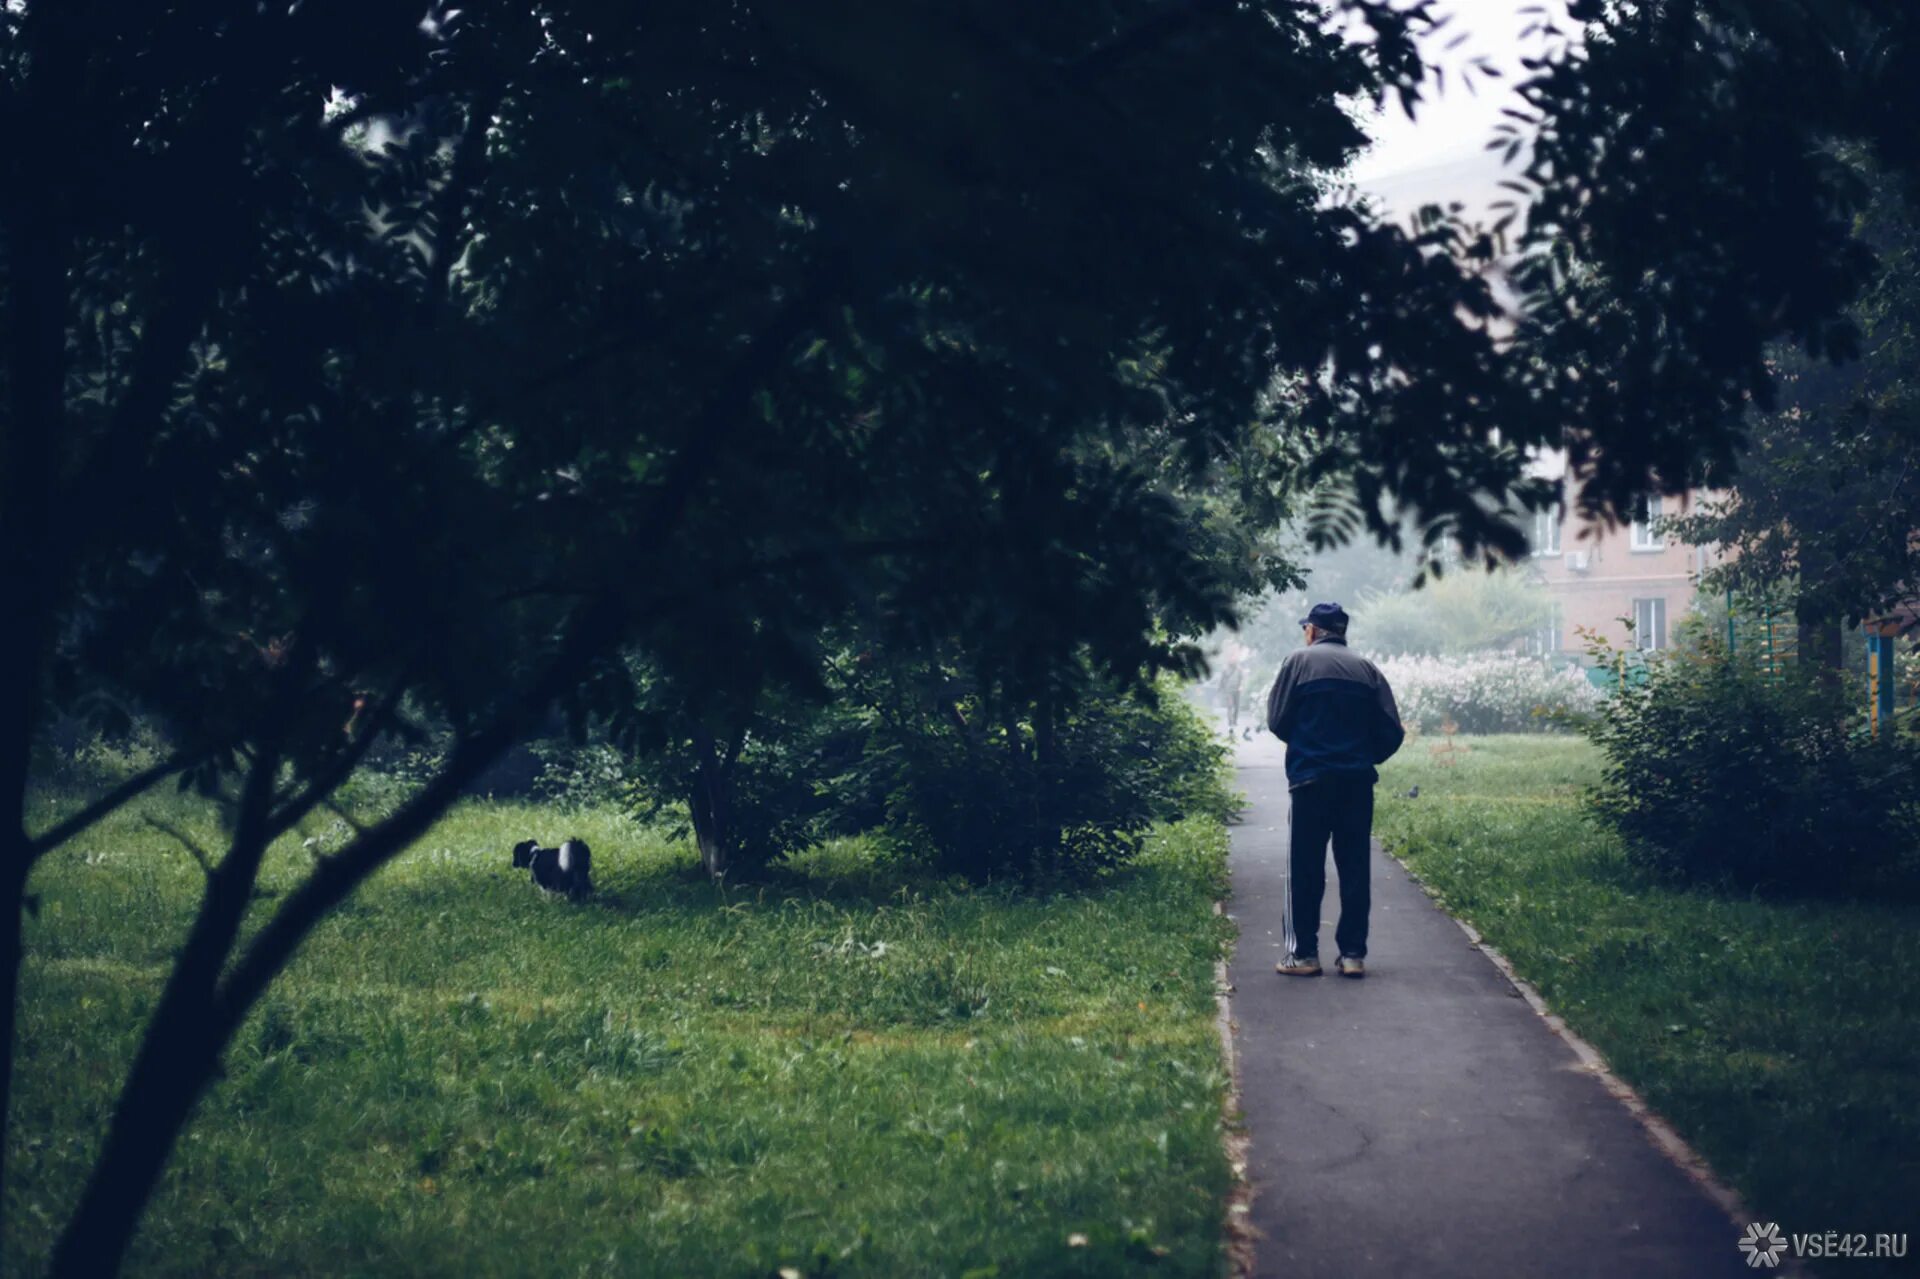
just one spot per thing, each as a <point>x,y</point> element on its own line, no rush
<point>1440,155</point>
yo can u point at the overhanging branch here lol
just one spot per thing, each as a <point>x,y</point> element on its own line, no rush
<point>337,876</point>
<point>126,792</point>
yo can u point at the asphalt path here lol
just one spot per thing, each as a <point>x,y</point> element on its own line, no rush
<point>1425,1121</point>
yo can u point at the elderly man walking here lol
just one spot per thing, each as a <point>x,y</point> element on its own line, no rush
<point>1335,712</point>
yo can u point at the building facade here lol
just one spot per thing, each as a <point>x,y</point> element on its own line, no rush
<point>1628,584</point>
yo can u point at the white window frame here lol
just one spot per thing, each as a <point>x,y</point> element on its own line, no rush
<point>1544,539</point>
<point>1650,629</point>
<point>1545,640</point>
<point>1640,535</point>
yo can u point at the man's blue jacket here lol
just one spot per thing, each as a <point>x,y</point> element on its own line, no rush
<point>1333,709</point>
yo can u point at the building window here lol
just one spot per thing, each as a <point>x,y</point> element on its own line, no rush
<point>1545,641</point>
<point>1642,536</point>
<point>1650,625</point>
<point>1545,537</point>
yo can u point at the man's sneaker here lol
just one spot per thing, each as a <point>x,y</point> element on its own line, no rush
<point>1350,966</point>
<point>1299,966</point>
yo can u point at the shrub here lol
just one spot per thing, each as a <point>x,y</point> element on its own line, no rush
<point>582,773</point>
<point>781,780</point>
<point>76,752</point>
<point>984,805</point>
<point>1486,694</point>
<point>1716,773</point>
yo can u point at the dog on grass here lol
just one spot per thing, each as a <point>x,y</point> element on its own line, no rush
<point>567,869</point>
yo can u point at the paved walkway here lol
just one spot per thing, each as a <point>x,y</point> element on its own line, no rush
<point>1425,1121</point>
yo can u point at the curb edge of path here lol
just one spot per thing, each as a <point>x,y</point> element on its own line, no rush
<point>1237,1223</point>
<point>1664,1137</point>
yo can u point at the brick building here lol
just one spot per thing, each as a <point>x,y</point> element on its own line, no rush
<point>1599,576</point>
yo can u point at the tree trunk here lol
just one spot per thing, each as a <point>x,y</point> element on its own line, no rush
<point>13,867</point>
<point>36,357</point>
<point>177,1060</point>
<point>16,855</point>
<point>179,1051</point>
<point>712,820</point>
<point>198,1014</point>
<point>1045,729</point>
<point>1818,639</point>
<point>712,844</point>
<point>1822,647</point>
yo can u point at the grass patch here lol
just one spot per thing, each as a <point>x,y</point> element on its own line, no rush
<point>1781,1038</point>
<point>839,1072</point>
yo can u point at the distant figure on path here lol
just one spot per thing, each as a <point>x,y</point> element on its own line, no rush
<point>1233,679</point>
<point>1336,714</point>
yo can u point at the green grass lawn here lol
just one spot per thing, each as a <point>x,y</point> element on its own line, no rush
<point>1781,1038</point>
<point>459,1076</point>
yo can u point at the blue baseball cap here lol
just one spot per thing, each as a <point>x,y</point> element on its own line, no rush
<point>1330,618</point>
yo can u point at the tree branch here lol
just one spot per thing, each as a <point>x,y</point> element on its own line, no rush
<point>337,876</point>
<point>336,774</point>
<point>353,823</point>
<point>62,831</point>
<point>181,838</point>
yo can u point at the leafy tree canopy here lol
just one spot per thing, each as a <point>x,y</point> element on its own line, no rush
<point>1692,205</point>
<point>357,361</point>
<point>1825,504</point>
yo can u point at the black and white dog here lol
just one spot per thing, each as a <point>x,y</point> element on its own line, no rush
<point>567,869</point>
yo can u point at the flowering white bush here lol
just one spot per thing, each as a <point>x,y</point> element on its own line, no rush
<point>1485,694</point>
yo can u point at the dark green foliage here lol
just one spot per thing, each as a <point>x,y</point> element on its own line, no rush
<point>1825,502</point>
<point>1693,177</point>
<point>762,791</point>
<point>359,360</point>
<point>1717,773</point>
<point>954,784</point>
<point>435,365</point>
<point>979,318</point>
<point>73,754</point>
<point>1691,208</point>
<point>988,800</point>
